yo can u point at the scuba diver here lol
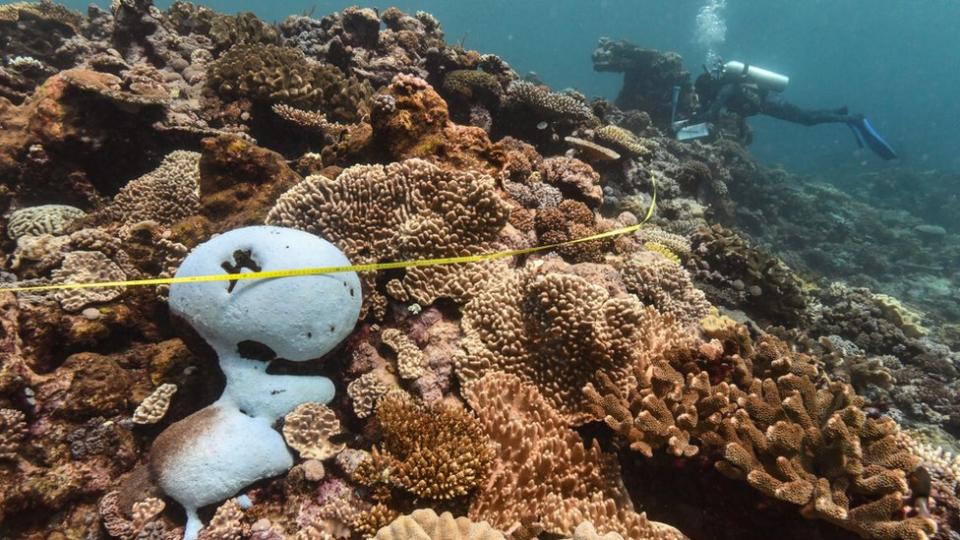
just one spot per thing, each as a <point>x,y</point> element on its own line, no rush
<point>748,90</point>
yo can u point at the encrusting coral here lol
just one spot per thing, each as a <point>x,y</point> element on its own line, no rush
<point>435,451</point>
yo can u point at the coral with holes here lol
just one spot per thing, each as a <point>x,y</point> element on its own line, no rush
<point>555,326</point>
<point>404,211</point>
<point>239,182</point>
<point>411,120</point>
<point>425,524</point>
<point>544,475</point>
<point>435,451</point>
<point>276,74</point>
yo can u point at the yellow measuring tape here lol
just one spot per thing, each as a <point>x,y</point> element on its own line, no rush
<point>348,268</point>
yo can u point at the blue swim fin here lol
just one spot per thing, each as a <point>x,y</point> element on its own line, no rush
<point>869,136</point>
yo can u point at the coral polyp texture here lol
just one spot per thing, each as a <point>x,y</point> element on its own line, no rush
<point>404,211</point>
<point>736,352</point>
<point>555,327</point>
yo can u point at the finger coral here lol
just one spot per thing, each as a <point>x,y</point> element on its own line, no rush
<point>555,329</point>
<point>544,473</point>
<point>817,449</point>
<point>425,524</point>
<point>436,451</point>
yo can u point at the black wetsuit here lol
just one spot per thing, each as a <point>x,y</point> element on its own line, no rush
<point>746,99</point>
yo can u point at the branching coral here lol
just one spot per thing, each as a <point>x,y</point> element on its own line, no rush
<point>403,211</point>
<point>555,329</point>
<point>425,524</point>
<point>817,449</point>
<point>665,410</point>
<point>787,438</point>
<point>551,105</point>
<point>544,474</point>
<point>436,452</point>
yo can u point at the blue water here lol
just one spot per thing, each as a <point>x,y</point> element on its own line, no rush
<point>894,60</point>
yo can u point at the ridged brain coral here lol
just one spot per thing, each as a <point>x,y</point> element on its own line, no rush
<point>555,329</point>
<point>404,211</point>
<point>425,524</point>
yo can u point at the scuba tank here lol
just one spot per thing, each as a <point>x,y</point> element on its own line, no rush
<point>761,77</point>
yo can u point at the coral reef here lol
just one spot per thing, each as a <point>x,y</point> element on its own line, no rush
<point>765,349</point>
